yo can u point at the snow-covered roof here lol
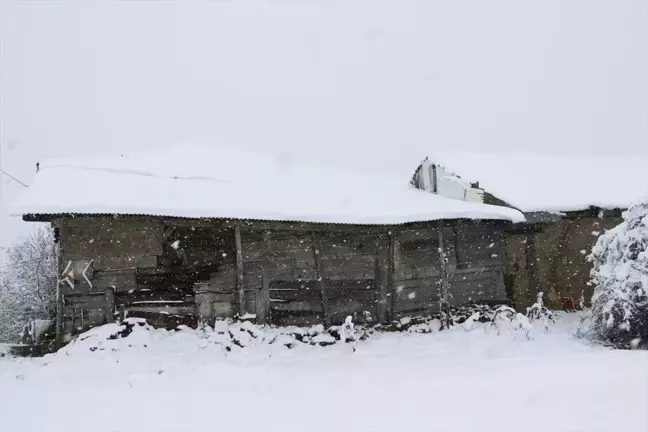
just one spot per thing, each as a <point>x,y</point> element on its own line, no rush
<point>219,182</point>
<point>553,183</point>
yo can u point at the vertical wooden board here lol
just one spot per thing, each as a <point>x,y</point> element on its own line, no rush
<point>382,284</point>
<point>320,282</point>
<point>239,271</point>
<point>250,301</point>
<point>204,309</point>
<point>394,259</point>
<point>443,262</point>
<point>109,294</point>
<point>516,271</point>
<point>499,288</point>
<point>449,242</point>
<point>59,317</point>
<point>263,300</point>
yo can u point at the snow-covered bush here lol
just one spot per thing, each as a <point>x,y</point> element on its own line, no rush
<point>538,311</point>
<point>619,313</point>
<point>27,284</point>
<point>510,315</point>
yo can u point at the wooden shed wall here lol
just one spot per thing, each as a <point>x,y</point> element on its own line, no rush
<point>285,274</point>
<point>553,259</point>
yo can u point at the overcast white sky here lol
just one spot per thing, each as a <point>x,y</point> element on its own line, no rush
<point>345,81</point>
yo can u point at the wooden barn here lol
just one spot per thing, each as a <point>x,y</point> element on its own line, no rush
<point>567,202</point>
<point>193,234</point>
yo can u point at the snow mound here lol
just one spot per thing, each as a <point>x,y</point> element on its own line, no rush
<point>230,336</point>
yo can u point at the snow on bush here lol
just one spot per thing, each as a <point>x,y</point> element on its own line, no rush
<point>619,313</point>
<point>229,335</point>
<point>538,311</point>
<point>506,314</point>
<point>27,284</point>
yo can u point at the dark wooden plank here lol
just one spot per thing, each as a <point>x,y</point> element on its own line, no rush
<point>86,301</point>
<point>263,300</point>
<point>218,296</point>
<point>351,267</point>
<point>418,293</point>
<point>318,274</point>
<point>429,234</point>
<point>393,269</point>
<point>360,310</point>
<point>240,283</point>
<point>162,309</point>
<point>148,294</point>
<point>260,255</point>
<point>348,245</point>
<point>350,284</point>
<point>291,318</point>
<point>415,283</point>
<point>422,256</point>
<point>473,289</point>
<point>294,285</point>
<point>109,294</point>
<point>288,295</point>
<point>443,262</point>
<point>120,280</point>
<point>422,311</point>
<point>416,305</point>
<point>297,306</point>
<point>351,294</point>
<point>407,271</point>
<point>483,273</point>
<point>382,284</point>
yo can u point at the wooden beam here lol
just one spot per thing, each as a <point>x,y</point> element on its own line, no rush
<point>382,284</point>
<point>239,271</point>
<point>59,316</point>
<point>263,299</point>
<point>443,261</point>
<point>394,258</point>
<point>110,304</point>
<point>320,282</point>
<point>60,311</point>
<point>532,266</point>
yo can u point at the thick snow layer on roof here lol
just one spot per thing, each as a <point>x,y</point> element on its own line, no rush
<point>198,182</point>
<point>553,183</point>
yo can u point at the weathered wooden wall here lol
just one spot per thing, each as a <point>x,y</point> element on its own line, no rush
<point>312,277</point>
<point>554,260</point>
<point>281,274</point>
<point>150,266</point>
<point>476,264</point>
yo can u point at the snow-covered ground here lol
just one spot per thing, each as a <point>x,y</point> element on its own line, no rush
<point>454,380</point>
